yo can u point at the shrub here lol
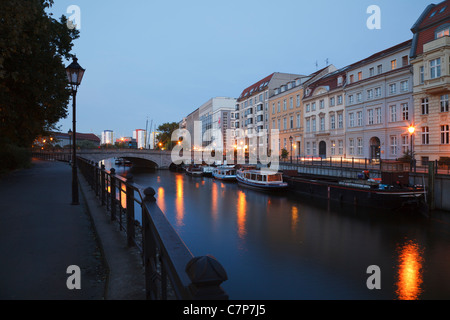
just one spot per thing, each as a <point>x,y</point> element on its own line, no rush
<point>13,157</point>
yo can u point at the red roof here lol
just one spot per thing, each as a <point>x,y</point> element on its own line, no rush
<point>80,136</point>
<point>439,11</point>
<point>257,87</point>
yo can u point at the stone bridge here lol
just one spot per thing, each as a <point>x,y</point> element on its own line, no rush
<point>140,158</point>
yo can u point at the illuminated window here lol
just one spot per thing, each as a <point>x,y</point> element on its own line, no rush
<point>443,31</point>
<point>360,75</point>
<point>393,64</point>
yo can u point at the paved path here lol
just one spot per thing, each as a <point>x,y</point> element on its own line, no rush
<point>41,234</point>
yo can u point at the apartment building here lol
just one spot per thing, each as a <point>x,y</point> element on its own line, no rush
<point>324,104</point>
<point>430,58</point>
<point>252,110</point>
<point>379,107</point>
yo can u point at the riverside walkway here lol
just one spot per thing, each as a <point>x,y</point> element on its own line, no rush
<point>42,234</point>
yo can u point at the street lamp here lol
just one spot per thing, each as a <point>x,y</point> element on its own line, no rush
<point>411,130</point>
<point>75,74</point>
<point>290,140</point>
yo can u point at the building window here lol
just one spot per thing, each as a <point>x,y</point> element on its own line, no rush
<point>340,121</point>
<point>405,143</point>
<point>298,100</point>
<point>284,124</point>
<point>339,81</point>
<point>421,75</point>
<point>370,116</point>
<point>425,135</point>
<point>360,146</point>
<point>322,123</point>
<point>445,139</point>
<point>314,125</point>
<point>425,106</point>
<point>404,61</point>
<point>392,88</point>
<point>278,124</point>
<point>313,106</point>
<point>333,121</point>
<point>352,78</point>
<point>360,76</point>
<point>273,124</point>
<point>307,107</point>
<point>380,69</point>
<point>322,104</point>
<point>314,148</point>
<point>339,100</point>
<point>378,92</point>
<point>359,97</point>
<point>435,68</point>
<point>393,113</point>
<point>284,105</point>
<point>405,112</point>
<point>351,146</point>
<point>378,111</point>
<point>404,86</point>
<point>273,108</point>
<point>308,125</point>
<point>298,120</point>
<point>291,122</point>
<point>393,64</point>
<point>291,103</point>
<point>332,101</point>
<point>333,147</point>
<point>443,31</point>
<point>278,107</point>
<point>444,103</point>
<point>393,145</point>
<point>350,99</point>
<point>370,94</point>
<point>359,118</point>
<point>351,116</point>
<point>341,146</point>
<point>308,148</point>
<point>372,72</point>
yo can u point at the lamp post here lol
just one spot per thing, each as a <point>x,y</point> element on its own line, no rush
<point>411,130</point>
<point>290,140</point>
<point>70,139</point>
<point>75,74</point>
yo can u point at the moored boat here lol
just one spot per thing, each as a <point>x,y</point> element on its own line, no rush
<point>226,173</point>
<point>264,180</point>
<point>207,171</point>
<point>360,192</point>
<point>194,171</point>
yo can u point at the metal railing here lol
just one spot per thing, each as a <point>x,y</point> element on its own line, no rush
<point>171,270</point>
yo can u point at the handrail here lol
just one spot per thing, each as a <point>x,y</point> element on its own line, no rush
<point>171,270</point>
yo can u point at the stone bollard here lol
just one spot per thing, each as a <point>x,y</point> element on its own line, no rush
<point>206,275</point>
<point>149,194</point>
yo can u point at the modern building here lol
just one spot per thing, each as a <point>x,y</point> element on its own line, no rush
<point>141,138</point>
<point>65,139</point>
<point>107,137</point>
<point>252,110</point>
<point>379,107</point>
<point>215,116</point>
<point>430,56</point>
<point>153,139</point>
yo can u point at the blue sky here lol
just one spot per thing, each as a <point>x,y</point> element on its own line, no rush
<point>160,60</point>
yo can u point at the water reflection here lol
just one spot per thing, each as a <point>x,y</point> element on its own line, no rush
<point>294,213</point>
<point>179,200</point>
<point>410,277</point>
<point>241,214</point>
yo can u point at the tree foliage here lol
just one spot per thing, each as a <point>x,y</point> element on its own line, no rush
<point>165,136</point>
<point>33,84</point>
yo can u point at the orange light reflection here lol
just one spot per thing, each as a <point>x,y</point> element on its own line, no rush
<point>241,214</point>
<point>410,277</point>
<point>179,200</point>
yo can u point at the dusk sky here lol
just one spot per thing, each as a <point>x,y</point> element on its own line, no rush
<point>160,60</point>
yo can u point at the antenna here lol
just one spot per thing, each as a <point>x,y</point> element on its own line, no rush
<point>317,65</point>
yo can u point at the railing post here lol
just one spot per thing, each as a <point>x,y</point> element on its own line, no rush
<point>113,194</point>
<point>103,184</point>
<point>130,211</point>
<point>149,249</point>
<point>206,275</point>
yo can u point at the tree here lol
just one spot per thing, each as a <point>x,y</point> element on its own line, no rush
<point>284,153</point>
<point>33,86</point>
<point>165,136</point>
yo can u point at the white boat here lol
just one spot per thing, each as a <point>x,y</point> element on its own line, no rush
<point>226,173</point>
<point>194,171</point>
<point>207,171</point>
<point>261,180</point>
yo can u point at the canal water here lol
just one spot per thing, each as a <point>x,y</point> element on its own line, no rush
<point>291,247</point>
